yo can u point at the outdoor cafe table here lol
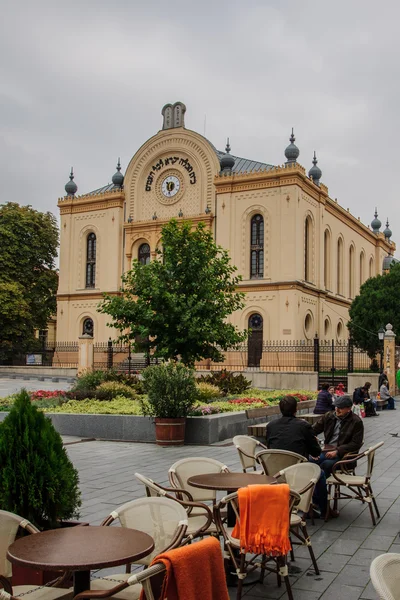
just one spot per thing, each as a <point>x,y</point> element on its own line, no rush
<point>80,549</point>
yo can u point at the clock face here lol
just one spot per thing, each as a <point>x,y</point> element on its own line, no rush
<point>170,186</point>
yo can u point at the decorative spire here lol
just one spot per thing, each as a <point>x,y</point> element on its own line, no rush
<point>315,172</point>
<point>292,152</point>
<point>227,161</point>
<point>118,178</point>
<point>376,223</point>
<point>387,232</point>
<point>70,187</point>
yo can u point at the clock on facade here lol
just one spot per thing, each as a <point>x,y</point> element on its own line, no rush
<point>170,186</point>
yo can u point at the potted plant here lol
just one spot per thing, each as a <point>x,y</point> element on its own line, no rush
<point>171,391</point>
<point>38,481</point>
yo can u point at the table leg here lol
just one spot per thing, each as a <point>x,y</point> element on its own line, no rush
<point>81,581</point>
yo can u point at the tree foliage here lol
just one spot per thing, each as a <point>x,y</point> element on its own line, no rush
<point>38,481</point>
<point>180,302</point>
<point>28,280</point>
<point>377,305</point>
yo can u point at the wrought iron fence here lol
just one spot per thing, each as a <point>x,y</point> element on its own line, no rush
<point>119,357</point>
<point>62,354</point>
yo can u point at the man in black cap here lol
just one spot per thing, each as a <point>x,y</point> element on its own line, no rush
<point>343,430</point>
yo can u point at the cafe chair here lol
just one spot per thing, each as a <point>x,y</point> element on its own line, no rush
<point>301,478</point>
<point>274,461</point>
<point>200,523</point>
<point>246,447</point>
<point>185,468</point>
<point>150,580</point>
<point>165,520</point>
<point>360,485</point>
<point>244,563</point>
<point>9,525</point>
<point>385,576</point>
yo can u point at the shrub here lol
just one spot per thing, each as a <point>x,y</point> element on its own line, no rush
<point>81,394</point>
<point>118,406</point>
<point>171,390</point>
<point>206,392</point>
<point>201,411</point>
<point>227,382</point>
<point>38,481</point>
<point>89,380</point>
<point>114,389</point>
<point>130,380</point>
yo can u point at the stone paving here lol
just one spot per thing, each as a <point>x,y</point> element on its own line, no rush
<point>344,547</point>
<point>9,385</point>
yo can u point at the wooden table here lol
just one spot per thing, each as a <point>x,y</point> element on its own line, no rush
<point>228,482</point>
<point>310,418</point>
<point>80,549</point>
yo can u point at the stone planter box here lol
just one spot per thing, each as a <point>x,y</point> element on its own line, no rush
<point>131,428</point>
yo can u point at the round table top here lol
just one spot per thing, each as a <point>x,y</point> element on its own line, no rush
<point>228,481</point>
<point>80,548</point>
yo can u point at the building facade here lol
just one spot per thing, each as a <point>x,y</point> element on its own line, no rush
<point>301,255</point>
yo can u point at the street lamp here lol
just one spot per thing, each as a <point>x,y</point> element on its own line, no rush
<point>381,336</point>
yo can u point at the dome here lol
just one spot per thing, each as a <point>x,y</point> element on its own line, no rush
<point>387,232</point>
<point>292,152</point>
<point>118,178</point>
<point>71,188</point>
<point>376,223</point>
<point>387,262</point>
<point>315,172</point>
<point>227,161</point>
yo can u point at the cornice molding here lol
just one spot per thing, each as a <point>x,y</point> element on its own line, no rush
<point>85,296</point>
<point>91,203</point>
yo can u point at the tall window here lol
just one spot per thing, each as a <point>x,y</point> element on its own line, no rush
<point>371,267</point>
<point>339,274</point>
<point>351,272</point>
<point>327,260</point>
<point>144,254</point>
<point>257,247</point>
<point>91,260</point>
<point>308,274</point>
<point>362,268</point>
<point>255,341</point>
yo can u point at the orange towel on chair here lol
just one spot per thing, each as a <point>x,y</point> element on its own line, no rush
<point>194,571</point>
<point>264,519</point>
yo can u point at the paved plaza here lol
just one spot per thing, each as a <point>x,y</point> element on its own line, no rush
<point>344,547</point>
<point>10,385</point>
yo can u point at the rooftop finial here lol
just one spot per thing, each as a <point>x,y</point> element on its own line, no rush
<point>376,223</point>
<point>292,152</point>
<point>387,232</point>
<point>227,147</point>
<point>227,161</point>
<point>70,187</point>
<point>118,178</point>
<point>315,172</point>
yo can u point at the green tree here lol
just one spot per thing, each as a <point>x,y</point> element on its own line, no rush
<point>180,302</point>
<point>377,305</point>
<point>28,242</point>
<point>38,481</point>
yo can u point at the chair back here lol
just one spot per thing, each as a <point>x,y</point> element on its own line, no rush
<point>370,454</point>
<point>248,445</point>
<point>9,524</point>
<point>152,489</point>
<point>163,519</point>
<point>302,478</point>
<point>385,576</point>
<point>180,472</point>
<point>273,461</point>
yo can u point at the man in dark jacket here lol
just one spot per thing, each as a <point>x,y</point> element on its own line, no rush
<point>291,433</point>
<point>342,429</point>
<point>324,400</point>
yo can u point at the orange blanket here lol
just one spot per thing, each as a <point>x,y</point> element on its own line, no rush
<point>194,571</point>
<point>264,519</point>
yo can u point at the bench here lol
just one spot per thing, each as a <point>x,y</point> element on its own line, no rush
<point>259,429</point>
<point>380,404</point>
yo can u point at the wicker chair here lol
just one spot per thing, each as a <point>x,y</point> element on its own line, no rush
<point>360,485</point>
<point>163,519</point>
<point>180,472</point>
<point>243,564</point>
<point>9,525</point>
<point>385,576</point>
<point>246,447</point>
<point>274,461</point>
<point>200,523</point>
<point>302,479</point>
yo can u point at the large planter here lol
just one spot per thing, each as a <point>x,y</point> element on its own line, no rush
<point>170,432</point>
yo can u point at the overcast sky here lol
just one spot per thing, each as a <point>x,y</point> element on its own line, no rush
<point>83,82</point>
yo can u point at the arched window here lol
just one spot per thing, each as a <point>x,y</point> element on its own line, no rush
<point>308,326</point>
<point>91,260</point>
<point>327,260</point>
<point>327,328</point>
<point>144,254</point>
<point>88,327</point>
<point>351,272</point>
<point>308,258</point>
<point>371,267</point>
<point>362,267</point>
<point>339,274</point>
<point>257,247</point>
<point>339,330</point>
<point>255,340</point>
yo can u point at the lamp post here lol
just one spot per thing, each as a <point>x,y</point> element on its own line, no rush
<point>381,336</point>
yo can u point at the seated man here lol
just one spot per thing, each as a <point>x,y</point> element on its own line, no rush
<point>342,429</point>
<point>385,395</point>
<point>361,396</point>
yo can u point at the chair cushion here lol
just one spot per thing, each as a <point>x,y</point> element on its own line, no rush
<point>295,519</point>
<point>347,479</point>
<point>42,593</point>
<point>197,521</point>
<point>106,583</point>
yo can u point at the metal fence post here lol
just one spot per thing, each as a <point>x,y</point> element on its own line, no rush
<point>109,354</point>
<point>316,353</point>
<point>350,356</point>
<point>129,359</point>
